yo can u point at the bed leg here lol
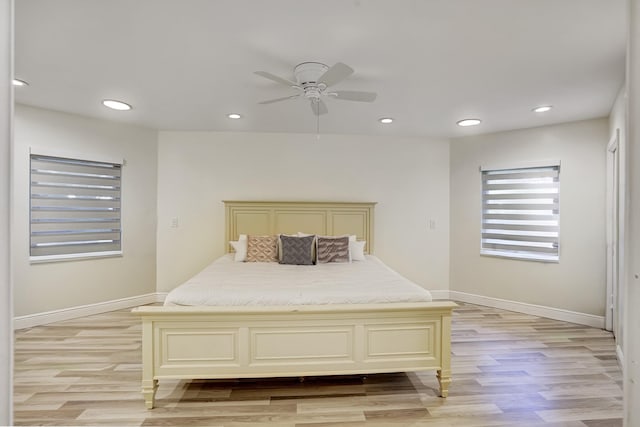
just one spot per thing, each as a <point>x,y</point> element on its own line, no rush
<point>149,388</point>
<point>444,378</point>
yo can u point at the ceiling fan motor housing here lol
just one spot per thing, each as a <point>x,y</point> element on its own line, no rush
<point>307,75</point>
<point>309,72</point>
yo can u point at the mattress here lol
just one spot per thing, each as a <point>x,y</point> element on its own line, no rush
<point>225,282</point>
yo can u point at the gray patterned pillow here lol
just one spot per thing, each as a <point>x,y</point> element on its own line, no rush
<point>333,249</point>
<point>297,250</point>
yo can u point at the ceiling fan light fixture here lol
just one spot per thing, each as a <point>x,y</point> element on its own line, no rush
<point>385,120</point>
<point>234,116</point>
<point>468,122</point>
<point>116,105</point>
<point>542,108</point>
<point>18,82</point>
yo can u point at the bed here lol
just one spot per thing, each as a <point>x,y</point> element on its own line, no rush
<point>288,336</point>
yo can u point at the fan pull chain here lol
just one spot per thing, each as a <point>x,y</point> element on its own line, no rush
<point>318,127</point>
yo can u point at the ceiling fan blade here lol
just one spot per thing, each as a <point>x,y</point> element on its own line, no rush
<point>284,98</point>
<point>355,95</point>
<point>335,74</point>
<point>318,107</point>
<point>275,78</point>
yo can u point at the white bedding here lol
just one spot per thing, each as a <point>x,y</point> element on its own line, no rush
<point>228,283</point>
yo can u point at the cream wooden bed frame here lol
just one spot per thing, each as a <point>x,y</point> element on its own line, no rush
<point>250,342</point>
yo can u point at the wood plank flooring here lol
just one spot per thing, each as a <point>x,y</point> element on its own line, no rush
<point>509,369</point>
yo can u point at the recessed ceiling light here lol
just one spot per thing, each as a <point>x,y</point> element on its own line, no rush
<point>469,122</point>
<point>116,105</point>
<point>385,120</point>
<point>18,82</point>
<point>234,116</point>
<point>542,109</point>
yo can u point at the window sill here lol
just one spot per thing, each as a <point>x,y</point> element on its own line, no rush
<point>521,257</point>
<point>73,257</point>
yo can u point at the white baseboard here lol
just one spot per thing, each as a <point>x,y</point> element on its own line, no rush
<point>37,319</point>
<point>31,320</point>
<point>532,309</point>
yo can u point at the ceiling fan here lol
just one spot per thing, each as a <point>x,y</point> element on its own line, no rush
<point>313,80</point>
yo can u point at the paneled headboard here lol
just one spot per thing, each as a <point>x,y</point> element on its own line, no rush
<point>322,218</point>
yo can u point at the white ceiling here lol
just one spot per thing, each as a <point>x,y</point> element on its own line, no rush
<point>184,65</point>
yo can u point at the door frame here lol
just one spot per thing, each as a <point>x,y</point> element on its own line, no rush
<point>613,307</point>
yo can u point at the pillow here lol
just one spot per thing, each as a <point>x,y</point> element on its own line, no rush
<point>297,250</point>
<point>240,248</point>
<point>280,244</point>
<point>333,249</point>
<point>352,238</point>
<point>315,243</point>
<point>356,250</point>
<point>262,249</point>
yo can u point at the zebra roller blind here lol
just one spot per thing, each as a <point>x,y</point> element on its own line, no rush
<point>521,213</point>
<point>75,208</point>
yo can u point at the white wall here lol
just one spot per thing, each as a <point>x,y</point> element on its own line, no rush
<point>408,177</point>
<point>577,282</point>
<point>632,324</point>
<point>6,309</point>
<point>52,286</point>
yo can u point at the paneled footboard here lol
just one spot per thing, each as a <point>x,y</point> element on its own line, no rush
<point>252,342</point>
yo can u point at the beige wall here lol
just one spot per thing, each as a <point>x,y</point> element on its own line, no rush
<point>408,177</point>
<point>50,286</point>
<point>577,282</point>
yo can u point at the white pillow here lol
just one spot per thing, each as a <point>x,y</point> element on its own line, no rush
<point>352,238</point>
<point>240,247</point>
<point>356,250</point>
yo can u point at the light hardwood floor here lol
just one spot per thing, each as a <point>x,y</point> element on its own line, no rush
<point>509,369</point>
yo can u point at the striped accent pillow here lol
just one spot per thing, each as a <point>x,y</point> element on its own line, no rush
<point>262,249</point>
<point>333,249</point>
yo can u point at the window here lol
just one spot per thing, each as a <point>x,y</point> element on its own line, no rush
<point>75,208</point>
<point>521,213</point>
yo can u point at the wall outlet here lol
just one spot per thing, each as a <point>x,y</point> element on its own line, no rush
<point>432,224</point>
<point>174,222</point>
